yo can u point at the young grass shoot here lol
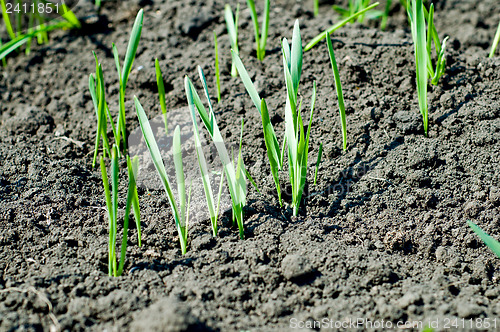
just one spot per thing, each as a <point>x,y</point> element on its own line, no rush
<point>26,26</point>
<point>235,175</point>
<point>180,211</point>
<point>423,40</point>
<point>496,40</point>
<point>217,70</point>
<point>261,40</point>
<point>296,139</point>
<point>232,31</point>
<point>337,26</point>
<point>338,87</point>
<point>123,75</point>
<point>493,244</point>
<point>115,269</point>
<point>161,94</point>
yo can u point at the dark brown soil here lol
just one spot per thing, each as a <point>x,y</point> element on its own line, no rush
<point>382,236</point>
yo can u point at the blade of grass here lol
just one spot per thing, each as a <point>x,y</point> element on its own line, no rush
<point>316,7</point>
<point>161,93</point>
<point>493,244</point>
<point>133,44</point>
<point>6,20</point>
<point>148,135</point>
<point>337,26</point>
<point>237,189</point>
<point>496,40</point>
<point>338,87</point>
<point>114,203</point>
<point>109,208</point>
<point>232,31</point>
<point>217,71</point>
<point>130,199</point>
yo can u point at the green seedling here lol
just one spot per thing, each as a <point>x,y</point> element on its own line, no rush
<point>296,139</point>
<point>416,14</point>
<point>337,26</point>
<point>261,40</point>
<point>179,210</point>
<point>423,41</point>
<point>97,92</point>
<point>123,75</point>
<point>115,268</point>
<point>213,208</point>
<point>232,31</point>
<point>217,71</point>
<point>316,7</point>
<point>354,6</point>
<point>161,94</point>
<point>496,40</point>
<point>338,87</point>
<point>493,244</point>
<point>15,29</point>
<point>235,175</point>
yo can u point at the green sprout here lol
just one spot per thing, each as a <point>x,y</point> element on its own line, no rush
<point>338,87</point>
<point>232,31</point>
<point>161,94</point>
<point>493,244</point>
<point>423,41</point>
<point>316,7</point>
<point>40,32</point>
<point>116,269</point>
<point>124,73</point>
<point>261,40</point>
<point>236,176</point>
<point>416,14</point>
<point>296,139</point>
<point>337,26</point>
<point>355,6</point>
<point>496,40</point>
<point>217,70</point>
<point>213,208</point>
<point>179,211</point>
<point>97,92</point>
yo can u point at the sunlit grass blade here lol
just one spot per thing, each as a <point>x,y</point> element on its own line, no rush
<point>132,166</point>
<point>496,40</point>
<point>148,135</point>
<point>6,20</point>
<point>20,40</point>
<point>385,15</point>
<point>109,208</point>
<point>237,186</point>
<point>493,244</point>
<point>260,39</point>
<point>181,181</point>
<point>272,146</point>
<point>316,7</point>
<point>417,19</point>
<point>217,70</point>
<point>338,87</point>
<point>337,26</point>
<point>232,31</point>
<point>133,44</point>
<point>161,93</point>
<point>318,161</point>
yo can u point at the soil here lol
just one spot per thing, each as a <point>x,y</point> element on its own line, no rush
<point>382,236</point>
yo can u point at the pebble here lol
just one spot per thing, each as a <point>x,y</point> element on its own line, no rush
<point>295,267</point>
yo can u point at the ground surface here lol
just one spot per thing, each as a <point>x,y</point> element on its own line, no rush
<point>383,235</point>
